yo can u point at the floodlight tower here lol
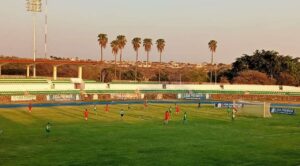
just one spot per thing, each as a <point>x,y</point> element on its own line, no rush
<point>46,27</point>
<point>34,6</point>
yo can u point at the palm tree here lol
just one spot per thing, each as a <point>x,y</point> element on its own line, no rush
<point>115,50</point>
<point>160,43</point>
<point>213,47</point>
<point>122,42</point>
<point>147,44</point>
<point>102,39</point>
<point>136,43</point>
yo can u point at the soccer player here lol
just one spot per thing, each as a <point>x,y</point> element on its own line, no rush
<point>122,113</point>
<point>145,104</point>
<point>107,108</point>
<point>86,114</point>
<point>234,111</point>
<point>228,111</point>
<point>48,127</point>
<point>177,109</point>
<point>128,107</point>
<point>29,107</point>
<point>170,112</point>
<point>167,117</point>
<point>199,105</point>
<point>95,110</point>
<point>184,118</point>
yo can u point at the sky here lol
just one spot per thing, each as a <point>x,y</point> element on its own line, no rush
<point>239,26</point>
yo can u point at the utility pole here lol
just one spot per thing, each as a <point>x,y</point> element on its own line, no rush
<point>34,6</point>
<point>46,27</point>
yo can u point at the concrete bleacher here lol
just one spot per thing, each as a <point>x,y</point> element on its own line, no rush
<point>291,88</point>
<point>44,86</point>
<point>63,86</point>
<point>135,87</point>
<point>194,87</point>
<point>210,88</point>
<point>23,81</point>
<point>184,88</point>
<point>95,86</point>
<point>9,85</point>
<point>121,88</point>
<point>36,86</point>
<point>24,87</point>
<point>272,88</point>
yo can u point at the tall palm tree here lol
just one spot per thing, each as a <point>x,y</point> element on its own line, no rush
<point>115,50</point>
<point>213,47</point>
<point>102,39</point>
<point>136,43</point>
<point>160,43</point>
<point>122,42</point>
<point>147,43</point>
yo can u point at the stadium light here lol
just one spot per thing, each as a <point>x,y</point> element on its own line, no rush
<point>34,6</point>
<point>46,27</point>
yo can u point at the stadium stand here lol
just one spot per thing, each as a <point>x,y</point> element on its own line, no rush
<point>135,87</point>
<point>45,87</point>
<point>63,86</point>
<point>194,87</point>
<point>95,86</point>
<point>14,85</point>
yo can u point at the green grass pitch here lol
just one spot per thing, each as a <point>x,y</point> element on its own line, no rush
<point>209,137</point>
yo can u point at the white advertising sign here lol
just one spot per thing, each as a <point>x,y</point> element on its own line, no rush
<point>23,98</point>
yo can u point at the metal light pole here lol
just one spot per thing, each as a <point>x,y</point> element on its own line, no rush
<point>46,26</point>
<point>34,6</point>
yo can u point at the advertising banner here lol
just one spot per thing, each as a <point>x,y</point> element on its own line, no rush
<point>287,111</point>
<point>23,98</point>
<point>192,96</point>
<point>62,97</point>
<point>124,96</point>
<point>227,105</point>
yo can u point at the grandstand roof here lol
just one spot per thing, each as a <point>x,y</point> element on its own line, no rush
<point>46,61</point>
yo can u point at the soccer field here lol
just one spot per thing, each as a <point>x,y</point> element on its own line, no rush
<point>141,138</point>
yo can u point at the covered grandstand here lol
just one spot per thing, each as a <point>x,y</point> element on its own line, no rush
<point>47,90</point>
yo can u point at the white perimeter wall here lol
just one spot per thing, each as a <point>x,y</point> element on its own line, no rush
<point>226,87</point>
<point>104,86</point>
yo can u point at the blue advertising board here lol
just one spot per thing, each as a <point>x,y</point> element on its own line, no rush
<point>287,111</point>
<point>193,96</point>
<point>227,105</point>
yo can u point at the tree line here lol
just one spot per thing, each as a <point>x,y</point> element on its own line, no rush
<point>119,43</point>
<point>263,67</point>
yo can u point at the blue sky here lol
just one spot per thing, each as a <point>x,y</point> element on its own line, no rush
<point>239,26</point>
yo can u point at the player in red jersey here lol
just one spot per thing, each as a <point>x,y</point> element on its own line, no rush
<point>167,117</point>
<point>29,107</point>
<point>86,114</point>
<point>177,109</point>
<point>107,108</point>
